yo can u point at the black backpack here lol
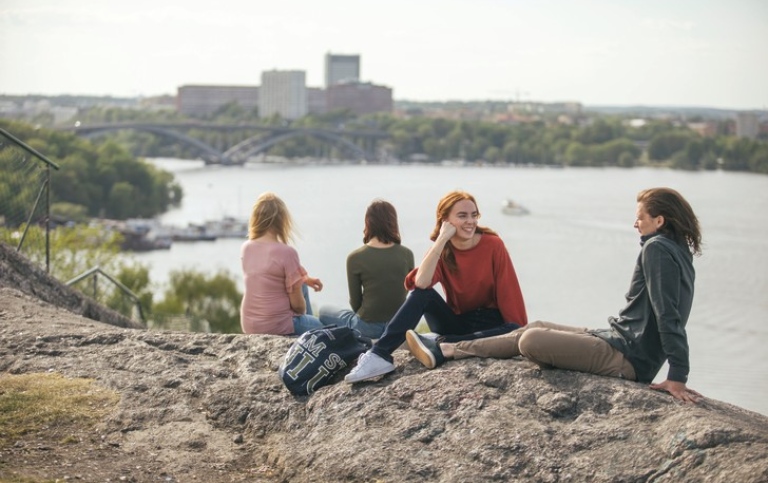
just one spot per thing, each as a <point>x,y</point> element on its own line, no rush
<point>318,355</point>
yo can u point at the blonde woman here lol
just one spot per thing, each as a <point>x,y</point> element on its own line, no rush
<point>276,299</point>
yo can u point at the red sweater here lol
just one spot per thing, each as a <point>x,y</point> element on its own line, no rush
<point>485,278</point>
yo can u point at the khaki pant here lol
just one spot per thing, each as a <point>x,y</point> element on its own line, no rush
<point>552,345</point>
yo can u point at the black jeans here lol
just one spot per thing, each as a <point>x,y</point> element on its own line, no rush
<point>441,319</point>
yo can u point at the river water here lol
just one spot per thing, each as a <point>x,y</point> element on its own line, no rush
<point>574,253</point>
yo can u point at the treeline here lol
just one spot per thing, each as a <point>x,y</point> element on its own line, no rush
<point>600,142</point>
<point>593,140</point>
<point>103,180</point>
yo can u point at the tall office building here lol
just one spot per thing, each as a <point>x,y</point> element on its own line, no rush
<point>283,92</point>
<point>340,68</point>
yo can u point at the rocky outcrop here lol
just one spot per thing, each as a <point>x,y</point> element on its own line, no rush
<point>18,272</point>
<point>210,407</point>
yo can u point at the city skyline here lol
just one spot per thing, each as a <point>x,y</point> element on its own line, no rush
<point>709,53</point>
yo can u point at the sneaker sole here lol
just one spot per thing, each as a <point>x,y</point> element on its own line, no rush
<point>420,351</point>
<point>370,377</point>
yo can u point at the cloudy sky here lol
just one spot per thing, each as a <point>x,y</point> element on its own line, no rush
<point>599,52</point>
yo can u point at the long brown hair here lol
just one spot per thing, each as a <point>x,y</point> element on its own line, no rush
<point>680,222</point>
<point>381,222</point>
<point>270,214</point>
<point>444,207</point>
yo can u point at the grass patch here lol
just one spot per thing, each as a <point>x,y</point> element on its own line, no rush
<point>22,479</point>
<point>31,403</point>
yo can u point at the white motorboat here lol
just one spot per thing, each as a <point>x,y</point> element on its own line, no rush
<point>510,207</point>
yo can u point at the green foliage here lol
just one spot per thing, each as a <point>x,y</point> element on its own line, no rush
<point>73,250</point>
<point>215,299</point>
<point>77,249</point>
<point>233,112</point>
<point>135,276</point>
<point>665,145</point>
<point>591,140</point>
<point>115,114</point>
<point>69,211</point>
<point>106,181</point>
<point>600,131</point>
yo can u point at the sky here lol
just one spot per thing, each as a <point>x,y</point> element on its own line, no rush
<point>697,53</point>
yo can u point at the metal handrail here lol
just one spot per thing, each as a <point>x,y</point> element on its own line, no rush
<point>34,152</point>
<point>45,188</point>
<point>96,271</point>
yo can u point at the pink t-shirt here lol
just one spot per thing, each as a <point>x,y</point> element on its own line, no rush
<point>270,269</point>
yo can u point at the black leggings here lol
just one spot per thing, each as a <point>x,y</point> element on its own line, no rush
<point>441,319</point>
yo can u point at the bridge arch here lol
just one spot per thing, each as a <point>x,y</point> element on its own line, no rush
<point>255,145</point>
<point>239,153</point>
<point>210,154</point>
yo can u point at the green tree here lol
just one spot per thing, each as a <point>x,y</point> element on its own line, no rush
<point>663,146</point>
<point>134,276</point>
<point>196,295</point>
<point>77,249</point>
<point>121,200</point>
<point>608,154</point>
<point>88,177</point>
<point>577,154</point>
<point>600,131</point>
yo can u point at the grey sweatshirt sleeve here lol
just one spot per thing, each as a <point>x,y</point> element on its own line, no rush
<point>664,278</point>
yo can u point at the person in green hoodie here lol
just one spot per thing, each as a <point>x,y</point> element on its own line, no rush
<point>648,331</point>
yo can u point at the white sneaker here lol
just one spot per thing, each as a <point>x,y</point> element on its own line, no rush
<point>369,366</point>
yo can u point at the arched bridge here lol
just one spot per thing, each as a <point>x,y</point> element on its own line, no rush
<point>359,145</point>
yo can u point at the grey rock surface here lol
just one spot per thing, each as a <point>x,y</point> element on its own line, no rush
<point>211,407</point>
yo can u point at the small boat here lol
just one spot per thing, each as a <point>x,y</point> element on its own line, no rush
<point>140,235</point>
<point>227,227</point>
<point>192,233</point>
<point>510,207</point>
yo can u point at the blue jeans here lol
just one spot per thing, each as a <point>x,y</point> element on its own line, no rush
<point>347,318</point>
<point>441,319</point>
<point>306,322</point>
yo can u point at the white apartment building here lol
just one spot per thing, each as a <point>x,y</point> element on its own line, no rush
<point>283,92</point>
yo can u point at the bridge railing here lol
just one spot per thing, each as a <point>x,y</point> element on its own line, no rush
<point>25,198</point>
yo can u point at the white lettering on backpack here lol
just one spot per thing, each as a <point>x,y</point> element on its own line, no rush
<point>309,350</point>
<point>331,363</point>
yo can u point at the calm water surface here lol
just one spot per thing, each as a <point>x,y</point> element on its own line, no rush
<point>574,253</point>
